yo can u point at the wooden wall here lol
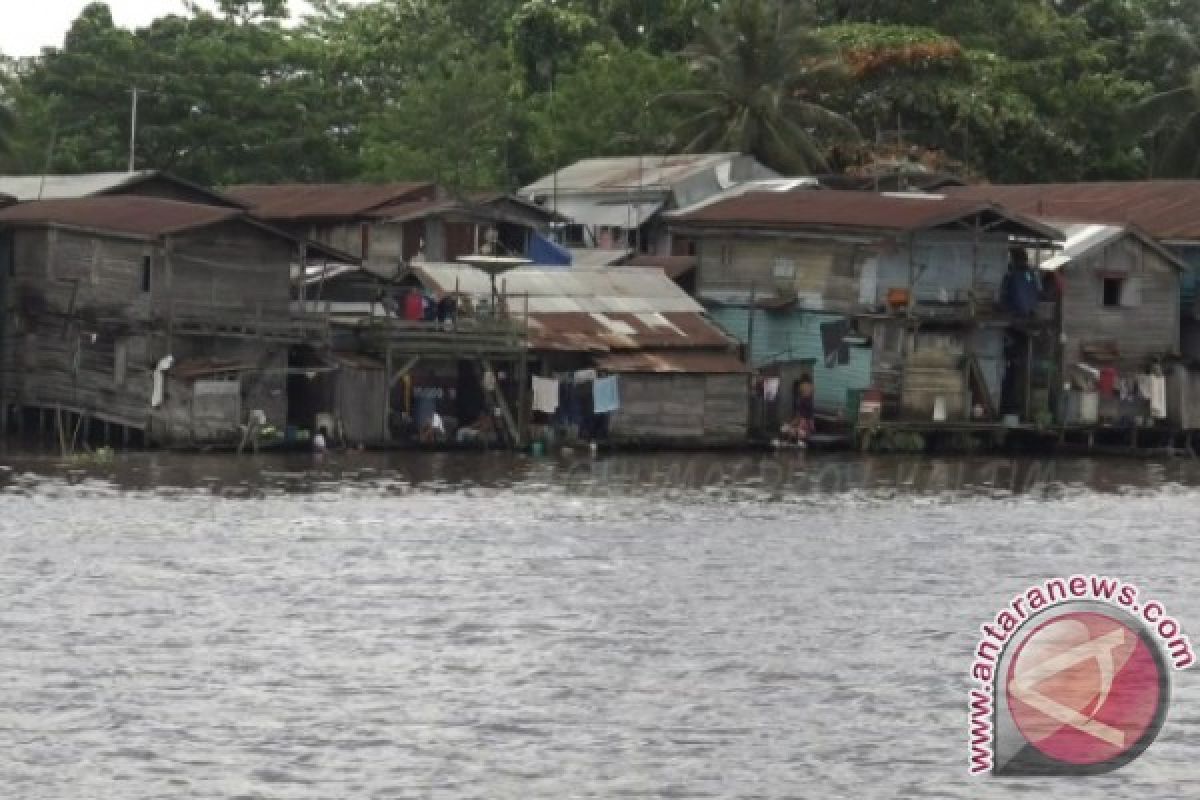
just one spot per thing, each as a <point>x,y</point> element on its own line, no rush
<point>58,271</point>
<point>232,267</point>
<point>668,406</point>
<point>1148,326</point>
<point>823,275</point>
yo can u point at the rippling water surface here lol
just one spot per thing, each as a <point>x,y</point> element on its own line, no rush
<point>490,627</point>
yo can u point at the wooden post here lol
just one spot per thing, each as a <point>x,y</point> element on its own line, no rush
<point>1028,377</point>
<point>523,408</point>
<point>387,394</point>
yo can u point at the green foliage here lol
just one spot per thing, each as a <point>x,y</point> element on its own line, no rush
<point>763,76</point>
<point>498,92</point>
<point>610,103</point>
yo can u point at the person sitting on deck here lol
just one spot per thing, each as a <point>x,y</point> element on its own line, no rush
<point>434,431</point>
<point>801,425</point>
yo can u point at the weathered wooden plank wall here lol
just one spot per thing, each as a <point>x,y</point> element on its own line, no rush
<point>1147,326</point>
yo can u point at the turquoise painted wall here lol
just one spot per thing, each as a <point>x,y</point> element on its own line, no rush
<point>794,336</point>
<point>1189,281</point>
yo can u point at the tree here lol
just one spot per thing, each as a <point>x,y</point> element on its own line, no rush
<point>609,104</point>
<point>221,99</point>
<point>454,126</point>
<point>1171,118</point>
<point>764,77</point>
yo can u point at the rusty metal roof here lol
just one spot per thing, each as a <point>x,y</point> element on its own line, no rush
<point>601,333</point>
<point>687,362</point>
<point>675,266</point>
<point>850,210</point>
<point>143,217</point>
<point>1167,210</point>
<point>630,290</point>
<point>205,367</point>
<point>298,201</point>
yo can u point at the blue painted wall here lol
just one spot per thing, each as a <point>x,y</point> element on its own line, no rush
<point>795,336</point>
<point>1188,280</point>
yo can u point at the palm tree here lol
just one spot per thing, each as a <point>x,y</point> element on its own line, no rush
<point>1172,118</point>
<point>760,69</point>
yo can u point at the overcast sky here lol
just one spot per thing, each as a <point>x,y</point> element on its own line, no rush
<point>26,26</point>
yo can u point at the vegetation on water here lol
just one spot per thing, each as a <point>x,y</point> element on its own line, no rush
<point>496,93</point>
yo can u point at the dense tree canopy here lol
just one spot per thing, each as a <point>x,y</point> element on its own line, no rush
<point>496,93</point>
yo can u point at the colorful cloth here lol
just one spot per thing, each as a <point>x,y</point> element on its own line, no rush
<point>545,395</point>
<point>605,395</point>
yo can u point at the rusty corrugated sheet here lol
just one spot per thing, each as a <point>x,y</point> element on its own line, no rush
<point>297,201</point>
<point>123,214</point>
<point>581,332</point>
<point>202,367</point>
<point>848,210</point>
<point>695,363</point>
<point>675,266</point>
<point>1168,210</point>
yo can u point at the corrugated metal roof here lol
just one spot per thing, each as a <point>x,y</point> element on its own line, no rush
<point>620,308</point>
<point>628,290</point>
<point>770,185</point>
<point>849,210</point>
<point>52,187</point>
<point>296,201</point>
<point>26,188</point>
<point>601,333</point>
<point>1083,238</point>
<point>674,266</point>
<point>1167,210</point>
<point>204,367</point>
<point>122,214</point>
<point>595,257</point>
<point>603,213</point>
<point>624,172</point>
<point>675,362</point>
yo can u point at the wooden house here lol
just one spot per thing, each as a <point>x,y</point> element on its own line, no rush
<point>618,204</point>
<point>166,318</point>
<point>900,292</point>
<point>680,379</point>
<point>1165,211</point>
<point>387,225</point>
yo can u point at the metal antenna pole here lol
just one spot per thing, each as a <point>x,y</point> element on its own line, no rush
<point>133,115</point>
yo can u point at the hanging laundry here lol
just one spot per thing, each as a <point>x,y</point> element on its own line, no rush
<point>1145,386</point>
<point>605,395</point>
<point>585,375</point>
<point>770,389</point>
<point>1158,396</point>
<point>158,390</point>
<point>545,395</point>
<point>1108,381</point>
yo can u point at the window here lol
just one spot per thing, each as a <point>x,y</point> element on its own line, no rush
<point>145,273</point>
<point>120,362</point>
<point>1120,292</point>
<point>784,269</point>
<point>726,255</point>
<point>1112,292</point>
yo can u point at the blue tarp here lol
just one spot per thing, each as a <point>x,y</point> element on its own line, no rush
<point>545,253</point>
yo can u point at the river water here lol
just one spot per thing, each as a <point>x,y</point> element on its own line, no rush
<point>489,626</point>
